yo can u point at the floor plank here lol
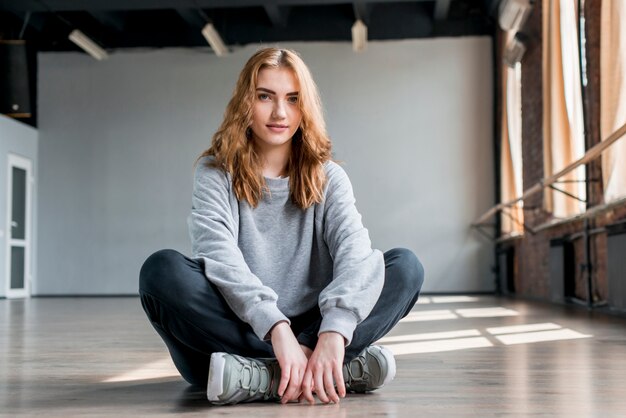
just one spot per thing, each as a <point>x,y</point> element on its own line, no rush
<point>457,356</point>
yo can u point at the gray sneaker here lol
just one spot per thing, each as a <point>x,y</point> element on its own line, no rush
<point>370,370</point>
<point>234,379</point>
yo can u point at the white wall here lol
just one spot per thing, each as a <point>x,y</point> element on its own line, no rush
<point>411,119</point>
<point>20,139</point>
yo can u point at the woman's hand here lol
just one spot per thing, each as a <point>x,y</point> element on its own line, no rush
<point>292,362</point>
<point>324,370</point>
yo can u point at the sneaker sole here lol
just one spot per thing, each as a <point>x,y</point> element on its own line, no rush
<point>215,385</point>
<point>391,363</point>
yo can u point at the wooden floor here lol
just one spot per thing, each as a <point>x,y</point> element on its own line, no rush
<point>457,356</point>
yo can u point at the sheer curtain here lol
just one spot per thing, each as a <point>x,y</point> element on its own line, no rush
<point>562,100</point>
<point>511,146</point>
<point>613,96</point>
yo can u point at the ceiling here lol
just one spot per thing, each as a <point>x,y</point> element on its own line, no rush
<point>177,23</point>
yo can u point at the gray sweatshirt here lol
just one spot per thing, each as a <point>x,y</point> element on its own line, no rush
<point>277,261</point>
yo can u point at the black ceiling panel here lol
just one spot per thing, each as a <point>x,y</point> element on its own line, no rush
<point>177,23</point>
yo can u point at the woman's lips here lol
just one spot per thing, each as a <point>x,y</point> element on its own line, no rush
<point>277,128</point>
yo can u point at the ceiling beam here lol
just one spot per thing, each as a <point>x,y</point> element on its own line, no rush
<point>362,11</point>
<point>442,7</point>
<point>120,5</point>
<point>278,15</point>
<point>192,17</point>
<point>108,19</point>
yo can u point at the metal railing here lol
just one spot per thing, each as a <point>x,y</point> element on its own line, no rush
<point>591,154</point>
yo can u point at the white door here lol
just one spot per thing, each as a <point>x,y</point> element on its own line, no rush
<point>18,251</point>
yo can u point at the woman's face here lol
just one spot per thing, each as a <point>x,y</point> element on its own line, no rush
<point>276,112</point>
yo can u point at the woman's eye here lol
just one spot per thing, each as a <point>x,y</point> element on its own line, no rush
<point>292,99</point>
<point>264,96</point>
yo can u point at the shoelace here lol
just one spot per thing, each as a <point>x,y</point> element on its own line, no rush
<point>358,381</point>
<point>255,384</point>
<point>255,373</point>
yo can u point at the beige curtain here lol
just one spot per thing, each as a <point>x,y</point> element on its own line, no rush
<point>511,146</point>
<point>613,96</point>
<point>562,100</point>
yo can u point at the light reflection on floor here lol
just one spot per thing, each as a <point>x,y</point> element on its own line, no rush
<point>540,336</point>
<point>447,299</point>
<point>438,346</point>
<point>486,312</point>
<point>431,342</point>
<point>444,314</point>
<point>430,336</point>
<point>456,340</point>
<point>155,370</point>
<point>435,315</point>
<point>545,326</point>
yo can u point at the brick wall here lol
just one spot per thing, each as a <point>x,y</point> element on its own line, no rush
<point>532,263</point>
<point>533,247</point>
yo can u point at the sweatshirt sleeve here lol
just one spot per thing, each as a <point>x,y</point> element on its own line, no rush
<point>213,238</point>
<point>358,270</point>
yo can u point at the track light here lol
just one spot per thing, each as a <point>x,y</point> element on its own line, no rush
<point>359,36</point>
<point>214,39</point>
<point>512,14</point>
<point>87,45</point>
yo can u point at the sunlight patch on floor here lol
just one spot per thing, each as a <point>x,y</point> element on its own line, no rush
<point>436,315</point>
<point>540,336</point>
<point>486,312</point>
<point>444,314</point>
<point>438,345</point>
<point>419,343</point>
<point>523,328</point>
<point>430,336</point>
<point>432,342</point>
<point>155,370</point>
<point>425,300</point>
<point>453,299</point>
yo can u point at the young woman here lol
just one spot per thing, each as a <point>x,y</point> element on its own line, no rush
<point>284,295</point>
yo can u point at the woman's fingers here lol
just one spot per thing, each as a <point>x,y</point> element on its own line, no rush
<point>284,380</point>
<point>307,387</point>
<point>318,381</point>
<point>339,383</point>
<point>325,367</point>
<point>291,359</point>
<point>294,388</point>
<point>329,385</point>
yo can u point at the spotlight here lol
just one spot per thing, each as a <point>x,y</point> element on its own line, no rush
<point>359,36</point>
<point>87,45</point>
<point>214,39</point>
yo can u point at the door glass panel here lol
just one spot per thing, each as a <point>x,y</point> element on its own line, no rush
<point>17,267</point>
<point>18,213</point>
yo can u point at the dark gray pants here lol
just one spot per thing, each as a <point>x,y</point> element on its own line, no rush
<point>194,320</point>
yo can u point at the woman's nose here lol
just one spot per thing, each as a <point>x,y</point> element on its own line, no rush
<point>279,110</point>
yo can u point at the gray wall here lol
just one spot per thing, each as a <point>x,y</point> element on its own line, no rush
<point>411,119</point>
<point>20,139</point>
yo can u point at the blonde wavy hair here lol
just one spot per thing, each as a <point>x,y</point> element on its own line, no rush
<point>235,152</point>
